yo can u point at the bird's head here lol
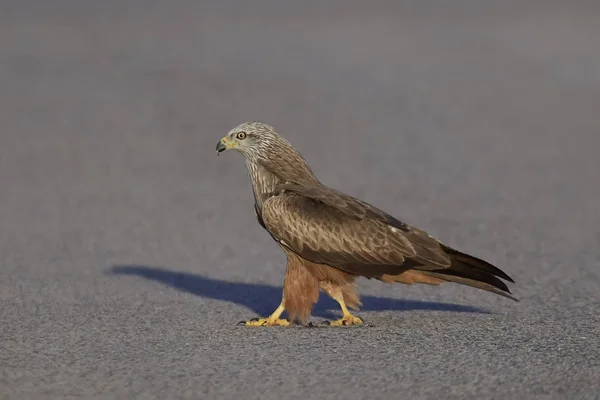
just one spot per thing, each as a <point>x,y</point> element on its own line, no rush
<point>250,139</point>
<point>260,144</point>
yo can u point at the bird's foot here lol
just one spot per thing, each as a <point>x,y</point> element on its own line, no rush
<point>345,321</point>
<point>265,322</point>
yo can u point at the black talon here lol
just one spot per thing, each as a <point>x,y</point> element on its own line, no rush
<point>241,323</point>
<point>325,323</point>
<point>344,322</point>
<point>310,325</point>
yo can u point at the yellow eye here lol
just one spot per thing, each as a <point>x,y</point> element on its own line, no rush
<point>241,135</point>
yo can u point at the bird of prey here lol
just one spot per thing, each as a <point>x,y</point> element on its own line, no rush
<point>330,238</point>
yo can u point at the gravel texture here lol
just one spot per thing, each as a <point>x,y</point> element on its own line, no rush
<point>129,250</point>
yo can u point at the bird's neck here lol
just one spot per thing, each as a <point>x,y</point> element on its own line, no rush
<point>264,181</point>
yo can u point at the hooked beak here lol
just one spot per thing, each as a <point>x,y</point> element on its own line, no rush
<point>221,146</point>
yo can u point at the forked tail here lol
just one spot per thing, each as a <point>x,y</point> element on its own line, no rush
<point>472,271</point>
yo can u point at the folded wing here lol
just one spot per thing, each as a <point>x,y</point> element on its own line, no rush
<point>328,227</point>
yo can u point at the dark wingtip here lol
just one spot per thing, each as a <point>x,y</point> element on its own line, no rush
<point>478,263</point>
<point>498,272</point>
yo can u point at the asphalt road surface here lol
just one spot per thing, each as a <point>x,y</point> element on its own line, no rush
<point>129,250</point>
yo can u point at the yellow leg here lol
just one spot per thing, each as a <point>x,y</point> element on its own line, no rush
<point>272,320</point>
<point>348,318</point>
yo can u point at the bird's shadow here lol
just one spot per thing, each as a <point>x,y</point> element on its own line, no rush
<point>262,299</point>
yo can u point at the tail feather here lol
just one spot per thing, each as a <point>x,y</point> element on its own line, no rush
<point>472,271</point>
<point>476,263</point>
<point>471,282</point>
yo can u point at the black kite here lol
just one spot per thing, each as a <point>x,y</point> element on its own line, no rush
<point>331,238</point>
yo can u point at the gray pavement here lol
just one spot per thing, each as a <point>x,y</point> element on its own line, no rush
<point>129,250</point>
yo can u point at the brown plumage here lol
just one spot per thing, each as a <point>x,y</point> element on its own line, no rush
<point>331,238</point>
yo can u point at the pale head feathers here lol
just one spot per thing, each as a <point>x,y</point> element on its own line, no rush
<point>257,140</point>
<point>270,158</point>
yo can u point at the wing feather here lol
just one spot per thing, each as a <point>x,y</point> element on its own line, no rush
<point>328,227</point>
<point>331,228</point>
<point>427,250</point>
